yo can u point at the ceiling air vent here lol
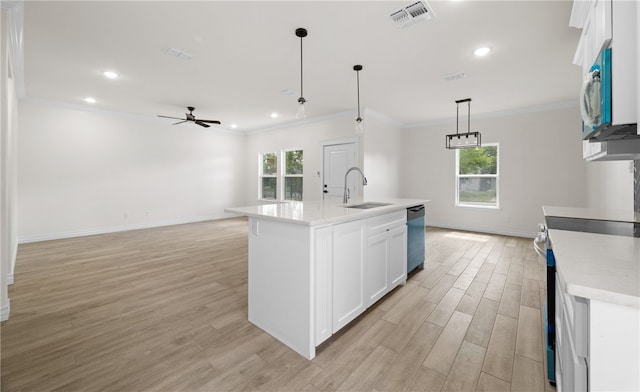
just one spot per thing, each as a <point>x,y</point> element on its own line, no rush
<point>450,77</point>
<point>177,53</point>
<point>411,14</point>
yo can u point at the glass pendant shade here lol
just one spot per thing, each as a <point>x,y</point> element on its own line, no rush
<point>463,140</point>
<point>359,126</point>
<point>301,114</point>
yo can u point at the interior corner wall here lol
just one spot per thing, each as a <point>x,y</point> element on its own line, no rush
<point>308,136</point>
<point>382,157</point>
<point>540,163</point>
<point>84,172</point>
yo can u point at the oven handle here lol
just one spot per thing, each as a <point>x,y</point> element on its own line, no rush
<point>539,250</point>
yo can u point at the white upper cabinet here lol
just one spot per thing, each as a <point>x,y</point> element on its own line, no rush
<point>594,18</point>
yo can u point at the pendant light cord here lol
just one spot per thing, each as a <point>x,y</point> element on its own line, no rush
<point>358,84</point>
<point>469,116</point>
<point>301,92</point>
<point>457,117</point>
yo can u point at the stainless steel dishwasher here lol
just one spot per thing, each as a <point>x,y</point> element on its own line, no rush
<point>415,237</point>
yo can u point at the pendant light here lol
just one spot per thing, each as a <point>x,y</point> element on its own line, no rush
<point>301,113</point>
<point>359,121</point>
<point>463,140</point>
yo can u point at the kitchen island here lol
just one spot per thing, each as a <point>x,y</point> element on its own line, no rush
<point>315,266</point>
<point>597,298</point>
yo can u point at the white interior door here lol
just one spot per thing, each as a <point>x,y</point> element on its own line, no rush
<point>338,158</point>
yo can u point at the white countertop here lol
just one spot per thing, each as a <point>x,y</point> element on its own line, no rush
<point>592,213</point>
<point>598,266</point>
<point>322,212</point>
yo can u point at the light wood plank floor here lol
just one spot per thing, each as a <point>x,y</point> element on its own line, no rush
<point>165,309</point>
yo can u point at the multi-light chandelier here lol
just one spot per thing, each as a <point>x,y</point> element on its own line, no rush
<point>463,140</point>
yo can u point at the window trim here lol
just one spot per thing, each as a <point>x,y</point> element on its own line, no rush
<point>261,175</point>
<point>457,202</point>
<point>280,175</point>
<point>284,175</point>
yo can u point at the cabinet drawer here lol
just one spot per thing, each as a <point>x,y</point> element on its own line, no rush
<point>386,222</point>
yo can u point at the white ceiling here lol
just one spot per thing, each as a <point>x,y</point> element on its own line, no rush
<point>245,55</point>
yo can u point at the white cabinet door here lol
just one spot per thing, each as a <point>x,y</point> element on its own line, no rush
<point>377,280</point>
<point>348,272</point>
<point>397,256</point>
<point>571,346</point>
<point>386,264</point>
<point>323,262</point>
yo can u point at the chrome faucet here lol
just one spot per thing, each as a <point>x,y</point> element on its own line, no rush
<point>346,196</point>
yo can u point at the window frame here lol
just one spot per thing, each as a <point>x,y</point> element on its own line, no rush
<point>280,176</point>
<point>285,175</point>
<point>458,176</point>
<point>261,175</point>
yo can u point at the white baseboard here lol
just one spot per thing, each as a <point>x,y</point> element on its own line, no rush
<point>4,311</point>
<point>509,233</point>
<point>115,229</point>
<point>12,268</point>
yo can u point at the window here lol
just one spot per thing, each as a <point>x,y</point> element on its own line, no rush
<point>477,176</point>
<point>269,176</point>
<point>281,182</point>
<point>293,175</point>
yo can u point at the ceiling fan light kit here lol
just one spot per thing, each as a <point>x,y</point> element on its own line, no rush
<point>463,140</point>
<point>301,113</point>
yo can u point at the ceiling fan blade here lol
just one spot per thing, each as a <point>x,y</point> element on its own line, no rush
<point>179,122</point>
<point>175,118</point>
<point>202,124</point>
<point>210,121</point>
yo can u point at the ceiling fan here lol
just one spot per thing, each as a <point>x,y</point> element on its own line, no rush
<point>191,117</point>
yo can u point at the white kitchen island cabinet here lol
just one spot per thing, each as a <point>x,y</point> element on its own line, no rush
<point>597,311</point>
<point>386,255</point>
<point>348,262</point>
<point>314,267</point>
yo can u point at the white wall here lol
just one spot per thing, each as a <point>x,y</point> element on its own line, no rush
<point>8,158</point>
<point>383,156</point>
<point>610,185</point>
<point>83,172</point>
<point>540,163</point>
<point>307,136</point>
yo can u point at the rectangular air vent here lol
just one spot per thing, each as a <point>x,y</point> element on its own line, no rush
<point>411,14</point>
<point>454,76</point>
<point>177,53</point>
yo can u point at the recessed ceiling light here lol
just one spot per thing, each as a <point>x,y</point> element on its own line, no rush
<point>274,115</point>
<point>90,100</point>
<point>482,51</point>
<point>234,126</point>
<point>110,74</point>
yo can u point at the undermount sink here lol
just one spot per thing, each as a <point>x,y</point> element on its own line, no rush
<point>367,205</point>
